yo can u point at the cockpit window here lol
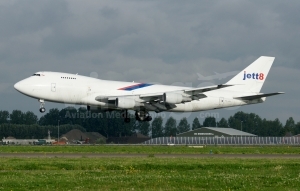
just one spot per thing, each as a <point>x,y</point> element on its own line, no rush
<point>36,75</point>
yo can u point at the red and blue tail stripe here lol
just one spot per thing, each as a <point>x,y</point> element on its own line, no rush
<point>135,86</point>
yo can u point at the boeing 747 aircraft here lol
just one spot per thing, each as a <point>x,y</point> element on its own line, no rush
<point>103,95</point>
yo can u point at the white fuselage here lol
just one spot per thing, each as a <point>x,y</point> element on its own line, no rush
<point>82,90</point>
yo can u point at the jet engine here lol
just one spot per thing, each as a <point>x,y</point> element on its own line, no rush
<point>174,98</point>
<point>126,103</point>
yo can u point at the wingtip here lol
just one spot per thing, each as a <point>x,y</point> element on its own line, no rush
<point>268,56</point>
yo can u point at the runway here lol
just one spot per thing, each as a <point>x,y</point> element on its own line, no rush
<point>97,155</point>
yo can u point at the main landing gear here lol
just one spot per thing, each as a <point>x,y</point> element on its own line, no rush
<point>139,116</point>
<point>42,106</point>
<point>142,116</point>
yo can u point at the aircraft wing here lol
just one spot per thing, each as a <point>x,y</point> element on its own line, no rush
<point>156,101</point>
<point>251,97</point>
<point>194,93</point>
<point>190,94</point>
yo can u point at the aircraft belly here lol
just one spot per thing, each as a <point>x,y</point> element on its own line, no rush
<point>197,105</point>
<point>183,107</point>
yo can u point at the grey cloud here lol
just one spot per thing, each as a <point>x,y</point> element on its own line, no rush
<point>167,42</point>
<point>108,12</point>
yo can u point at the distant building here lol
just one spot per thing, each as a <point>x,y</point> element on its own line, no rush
<point>288,134</point>
<point>13,141</point>
<point>215,132</point>
<point>77,136</point>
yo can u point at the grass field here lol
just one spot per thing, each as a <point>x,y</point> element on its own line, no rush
<point>149,174</point>
<point>151,149</point>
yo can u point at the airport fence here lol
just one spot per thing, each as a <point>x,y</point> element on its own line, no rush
<point>224,141</point>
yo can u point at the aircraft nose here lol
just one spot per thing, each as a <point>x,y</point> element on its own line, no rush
<point>25,86</point>
<point>20,86</point>
<point>17,86</point>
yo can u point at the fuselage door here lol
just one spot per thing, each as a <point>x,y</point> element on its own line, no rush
<point>53,87</point>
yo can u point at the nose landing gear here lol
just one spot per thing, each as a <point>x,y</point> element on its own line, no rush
<point>42,110</point>
<point>42,106</point>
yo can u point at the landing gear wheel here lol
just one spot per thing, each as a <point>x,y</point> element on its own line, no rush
<point>42,110</point>
<point>149,118</point>
<point>142,116</point>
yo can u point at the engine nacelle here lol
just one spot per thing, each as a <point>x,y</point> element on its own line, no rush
<point>125,103</point>
<point>173,98</point>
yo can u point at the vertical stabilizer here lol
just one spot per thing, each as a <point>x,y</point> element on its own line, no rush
<point>252,78</point>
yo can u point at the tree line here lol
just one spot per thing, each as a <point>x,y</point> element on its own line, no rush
<point>111,124</point>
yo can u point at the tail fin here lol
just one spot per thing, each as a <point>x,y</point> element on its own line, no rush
<point>252,78</point>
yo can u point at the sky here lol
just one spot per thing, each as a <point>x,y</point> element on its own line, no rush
<point>167,42</point>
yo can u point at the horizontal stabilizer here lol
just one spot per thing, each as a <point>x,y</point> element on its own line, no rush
<point>251,97</point>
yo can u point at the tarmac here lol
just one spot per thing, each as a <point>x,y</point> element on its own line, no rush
<point>97,155</point>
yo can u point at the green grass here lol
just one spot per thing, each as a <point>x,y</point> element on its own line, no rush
<point>149,173</point>
<point>151,149</point>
